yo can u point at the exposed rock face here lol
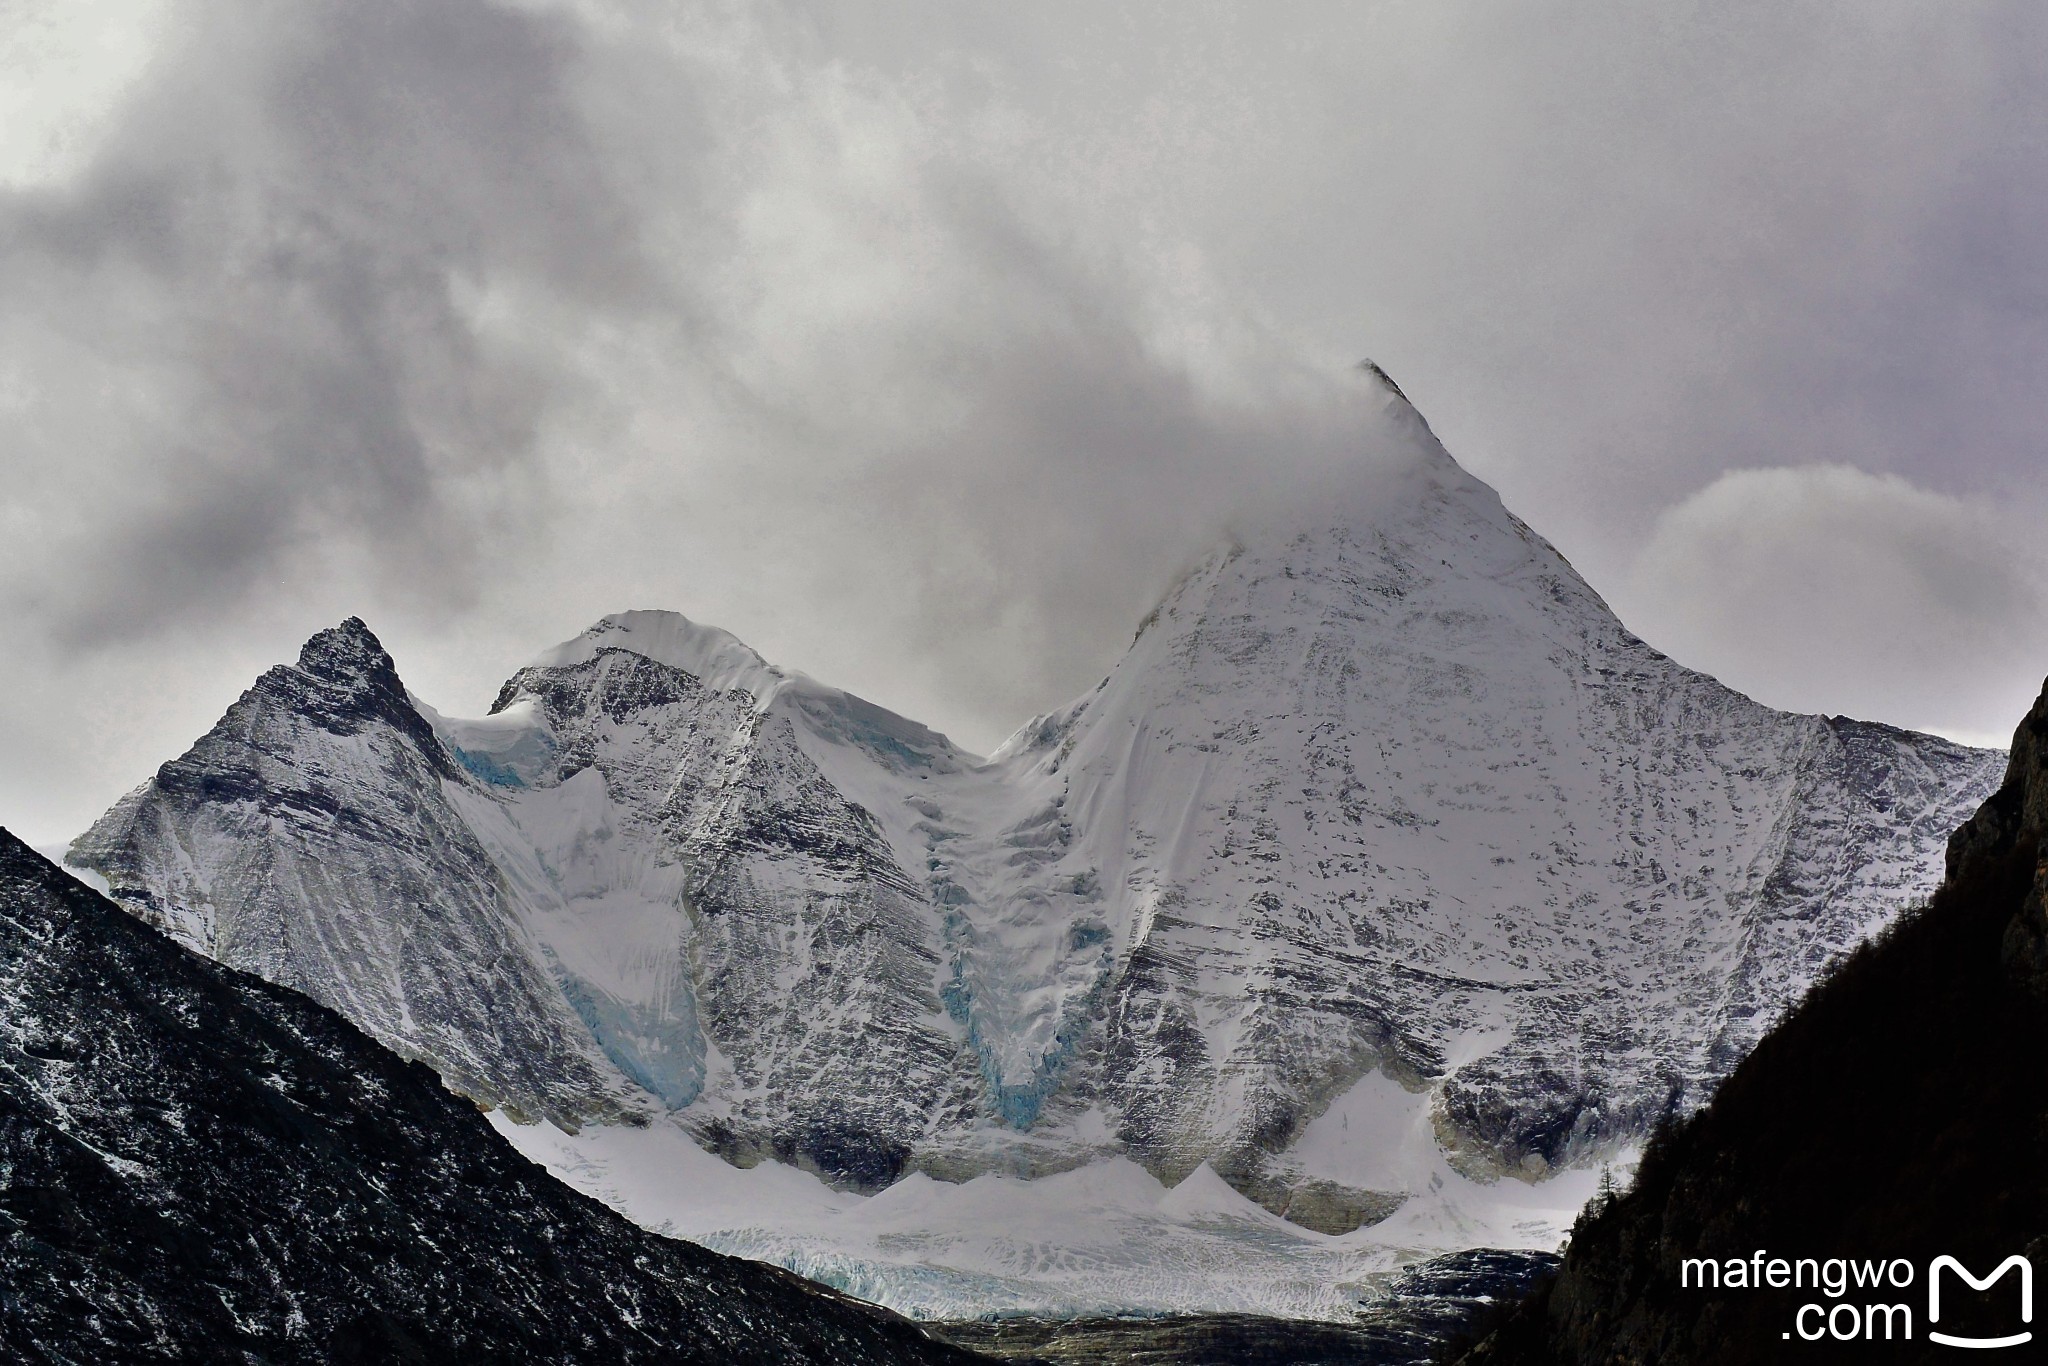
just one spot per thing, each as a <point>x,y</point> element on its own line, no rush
<point>201,1166</point>
<point>799,959</point>
<point>1900,1112</point>
<point>1385,792</point>
<point>2014,823</point>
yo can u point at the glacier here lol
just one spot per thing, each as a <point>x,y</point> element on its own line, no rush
<point>1384,888</point>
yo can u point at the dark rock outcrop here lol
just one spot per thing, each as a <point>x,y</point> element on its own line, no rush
<point>1900,1112</point>
<point>2014,825</point>
<point>198,1166</point>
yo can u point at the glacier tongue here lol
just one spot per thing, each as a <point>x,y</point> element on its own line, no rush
<point>1385,862</point>
<point>1108,1238</point>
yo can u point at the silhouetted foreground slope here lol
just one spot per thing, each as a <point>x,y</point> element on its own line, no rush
<point>1900,1112</point>
<point>195,1165</point>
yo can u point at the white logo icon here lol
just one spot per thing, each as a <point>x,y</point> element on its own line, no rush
<point>2026,1270</point>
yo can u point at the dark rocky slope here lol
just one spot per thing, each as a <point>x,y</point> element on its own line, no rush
<point>1900,1112</point>
<point>198,1166</point>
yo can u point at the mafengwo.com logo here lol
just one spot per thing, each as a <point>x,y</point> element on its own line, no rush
<point>1874,1300</point>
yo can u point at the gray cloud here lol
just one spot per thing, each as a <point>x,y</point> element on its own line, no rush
<point>921,343</point>
<point>1825,588</point>
<point>265,267</point>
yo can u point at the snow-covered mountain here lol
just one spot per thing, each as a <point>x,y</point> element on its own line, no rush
<point>1902,1105</point>
<point>202,1167</point>
<point>1385,855</point>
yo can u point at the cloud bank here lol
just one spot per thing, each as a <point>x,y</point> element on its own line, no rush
<point>1825,588</point>
<point>920,344</point>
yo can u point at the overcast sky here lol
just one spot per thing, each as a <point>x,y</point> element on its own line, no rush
<point>921,343</point>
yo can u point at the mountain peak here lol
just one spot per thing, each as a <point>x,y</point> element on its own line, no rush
<point>1391,466</point>
<point>347,653</point>
<point>354,682</point>
<point>1373,368</point>
<point>723,662</point>
<point>716,658</point>
<point>1411,425</point>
